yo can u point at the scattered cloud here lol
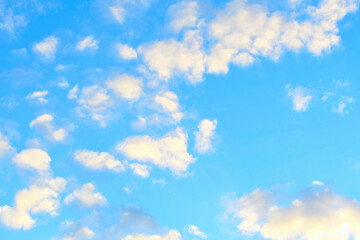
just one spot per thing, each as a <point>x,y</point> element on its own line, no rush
<point>38,96</point>
<point>42,197</point>
<point>341,107</point>
<point>86,196</point>
<point>183,14</point>
<point>320,214</point>
<point>118,13</point>
<point>87,43</point>
<point>75,231</point>
<point>33,158</point>
<point>5,148</point>
<point>168,102</point>
<point>126,52</point>
<point>47,47</point>
<point>300,98</point>
<point>169,151</point>
<point>98,160</point>
<point>73,93</point>
<point>194,230</point>
<point>44,124</point>
<point>126,87</point>
<point>204,135</point>
<point>140,169</point>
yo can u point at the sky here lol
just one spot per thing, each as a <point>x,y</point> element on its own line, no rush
<point>179,120</point>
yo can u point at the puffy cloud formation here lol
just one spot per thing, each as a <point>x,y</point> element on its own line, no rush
<point>98,161</point>
<point>168,101</point>
<point>169,151</point>
<point>239,34</point>
<point>94,101</point>
<point>47,47</point>
<point>73,93</point>
<point>39,96</point>
<point>42,197</point>
<point>343,104</point>
<point>86,196</point>
<point>170,57</point>
<point>205,135</point>
<point>319,215</point>
<point>87,43</point>
<point>249,28</point>
<point>194,230</point>
<point>44,124</point>
<point>171,235</point>
<point>126,87</point>
<point>126,52</point>
<point>183,15</point>
<point>300,98</point>
<point>140,169</point>
<point>5,147</point>
<point>33,158</point>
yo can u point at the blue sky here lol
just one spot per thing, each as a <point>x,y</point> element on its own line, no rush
<point>179,120</point>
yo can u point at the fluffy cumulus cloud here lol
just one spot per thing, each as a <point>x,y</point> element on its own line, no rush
<point>168,102</point>
<point>343,104</point>
<point>47,47</point>
<point>126,87</point>
<point>5,147</point>
<point>171,235</point>
<point>33,158</point>
<point>250,29</point>
<point>169,151</point>
<point>320,214</point>
<point>86,196</point>
<point>95,102</point>
<point>194,230</point>
<point>171,57</point>
<point>87,43</point>
<point>98,160</point>
<point>300,98</point>
<point>44,124</point>
<point>204,135</point>
<point>42,197</point>
<point>118,12</point>
<point>39,96</point>
<point>126,52</point>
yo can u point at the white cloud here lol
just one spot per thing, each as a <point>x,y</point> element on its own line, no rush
<point>44,124</point>
<point>171,235</point>
<point>140,169</point>
<point>126,52</point>
<point>168,101</point>
<point>73,93</point>
<point>33,158</point>
<point>170,57</point>
<point>47,47</point>
<point>183,15</point>
<point>126,87</point>
<point>169,151</point>
<point>205,135</point>
<point>38,198</point>
<point>194,230</point>
<point>118,13</point>
<point>343,104</point>
<point>62,82</point>
<point>87,43</point>
<point>95,102</point>
<point>317,183</point>
<point>39,96</point>
<point>5,147</point>
<point>98,161</point>
<point>300,98</point>
<point>243,27</point>
<point>86,196</point>
<point>319,215</point>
